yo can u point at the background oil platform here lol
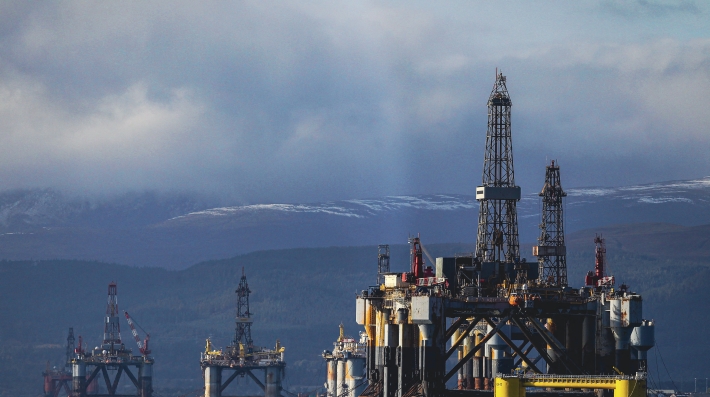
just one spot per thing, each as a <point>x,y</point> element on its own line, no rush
<point>59,380</point>
<point>498,321</point>
<point>111,360</point>
<point>242,358</point>
<point>346,366</point>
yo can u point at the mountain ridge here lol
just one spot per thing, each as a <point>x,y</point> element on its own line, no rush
<point>176,231</point>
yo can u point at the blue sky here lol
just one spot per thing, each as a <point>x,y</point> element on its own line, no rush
<point>292,101</point>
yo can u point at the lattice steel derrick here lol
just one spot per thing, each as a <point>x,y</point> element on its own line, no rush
<point>243,329</point>
<point>383,262</point>
<point>497,238</point>
<point>112,327</point>
<point>70,347</point>
<point>551,251</point>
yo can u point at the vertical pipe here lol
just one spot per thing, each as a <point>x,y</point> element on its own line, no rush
<point>499,351</point>
<point>574,339</point>
<point>381,319</point>
<point>340,378</point>
<point>48,384</point>
<point>354,376</point>
<point>405,353</point>
<point>331,381</point>
<point>623,352</point>
<point>589,332</point>
<point>551,326</point>
<point>371,352</point>
<point>478,363</point>
<point>272,385</point>
<point>501,362</point>
<point>213,381</point>
<point>459,356</point>
<point>605,341</point>
<point>427,356</point>
<point>468,365</point>
<point>486,373</point>
<point>487,368</point>
<point>145,379</point>
<point>390,371</point>
<point>622,335</point>
<point>635,362</point>
<point>79,378</point>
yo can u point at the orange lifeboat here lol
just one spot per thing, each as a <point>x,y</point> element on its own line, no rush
<point>515,300</point>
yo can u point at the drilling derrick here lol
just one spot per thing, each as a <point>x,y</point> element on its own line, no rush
<point>497,239</point>
<point>112,329</point>
<point>551,250</point>
<point>70,347</point>
<point>242,335</point>
<point>383,262</point>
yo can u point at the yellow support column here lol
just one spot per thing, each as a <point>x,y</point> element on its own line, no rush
<point>630,388</point>
<point>509,387</point>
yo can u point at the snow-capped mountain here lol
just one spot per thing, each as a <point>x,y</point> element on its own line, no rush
<point>177,231</point>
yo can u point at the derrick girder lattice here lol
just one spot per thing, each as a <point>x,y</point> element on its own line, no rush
<point>497,237</point>
<point>243,328</point>
<point>551,251</point>
<point>383,261</point>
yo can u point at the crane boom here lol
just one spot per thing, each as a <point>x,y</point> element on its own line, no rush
<point>142,346</point>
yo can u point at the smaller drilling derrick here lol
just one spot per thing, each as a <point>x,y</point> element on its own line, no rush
<point>242,335</point>
<point>70,347</point>
<point>383,262</point>
<point>112,328</point>
<point>551,251</point>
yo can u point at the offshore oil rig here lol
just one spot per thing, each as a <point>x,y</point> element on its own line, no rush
<point>490,320</point>
<point>111,359</point>
<point>56,379</point>
<point>242,357</point>
<point>346,366</point>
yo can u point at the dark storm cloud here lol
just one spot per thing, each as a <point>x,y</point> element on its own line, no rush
<point>294,101</point>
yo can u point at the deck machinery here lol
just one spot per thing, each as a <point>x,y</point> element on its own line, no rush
<point>111,360</point>
<point>242,357</point>
<point>490,314</point>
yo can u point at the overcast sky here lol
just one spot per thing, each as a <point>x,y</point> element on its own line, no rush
<point>284,101</point>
